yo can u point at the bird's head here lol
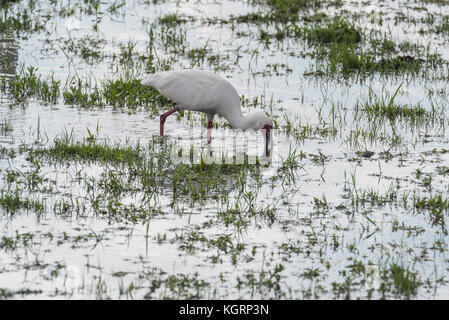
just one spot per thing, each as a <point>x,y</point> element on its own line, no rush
<point>264,122</point>
<point>260,120</point>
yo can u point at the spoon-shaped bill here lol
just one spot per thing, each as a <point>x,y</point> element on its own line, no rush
<point>267,132</point>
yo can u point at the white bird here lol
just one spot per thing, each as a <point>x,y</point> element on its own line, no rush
<point>204,91</point>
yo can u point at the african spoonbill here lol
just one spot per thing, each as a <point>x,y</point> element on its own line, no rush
<point>204,91</point>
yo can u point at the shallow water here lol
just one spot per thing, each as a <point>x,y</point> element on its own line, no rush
<point>330,235</point>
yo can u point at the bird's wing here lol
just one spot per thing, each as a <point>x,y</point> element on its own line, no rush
<point>192,90</point>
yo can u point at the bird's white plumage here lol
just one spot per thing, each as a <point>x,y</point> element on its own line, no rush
<point>204,91</point>
<point>196,90</point>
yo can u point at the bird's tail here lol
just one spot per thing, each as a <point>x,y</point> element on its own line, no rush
<point>148,80</point>
<point>151,79</point>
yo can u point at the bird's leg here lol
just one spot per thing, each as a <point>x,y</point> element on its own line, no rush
<point>163,117</point>
<point>266,130</point>
<point>209,132</point>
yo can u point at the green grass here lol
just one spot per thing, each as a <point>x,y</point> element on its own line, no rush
<point>385,108</point>
<point>436,206</point>
<point>203,181</point>
<point>88,49</point>
<point>5,126</point>
<point>338,31</point>
<point>443,26</point>
<point>174,286</point>
<point>80,94</point>
<point>400,281</point>
<point>131,169</point>
<point>131,94</point>
<point>394,111</point>
<point>12,202</point>
<point>277,11</point>
<point>28,84</point>
<point>171,20</point>
<point>288,10</point>
<point>342,48</point>
<point>20,21</point>
<point>68,150</point>
<point>122,94</point>
<point>346,60</point>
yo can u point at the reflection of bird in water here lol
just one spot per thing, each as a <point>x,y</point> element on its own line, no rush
<point>8,47</point>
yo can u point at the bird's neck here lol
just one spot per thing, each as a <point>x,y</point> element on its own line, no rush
<point>239,121</point>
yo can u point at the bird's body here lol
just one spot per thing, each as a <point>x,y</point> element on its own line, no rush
<point>204,91</point>
<point>198,90</point>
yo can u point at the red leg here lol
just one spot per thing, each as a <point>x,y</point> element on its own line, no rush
<point>163,117</point>
<point>209,132</point>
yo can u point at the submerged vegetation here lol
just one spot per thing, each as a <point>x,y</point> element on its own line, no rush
<point>352,205</point>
